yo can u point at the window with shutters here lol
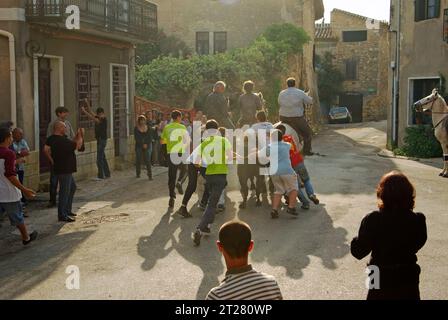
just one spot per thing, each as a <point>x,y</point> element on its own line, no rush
<point>202,43</point>
<point>427,9</point>
<point>351,70</point>
<point>354,36</point>
<point>220,42</point>
<point>445,25</point>
<point>87,86</point>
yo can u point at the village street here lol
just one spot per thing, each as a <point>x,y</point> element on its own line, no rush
<point>127,245</point>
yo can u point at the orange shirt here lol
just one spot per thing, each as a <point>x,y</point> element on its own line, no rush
<point>294,154</point>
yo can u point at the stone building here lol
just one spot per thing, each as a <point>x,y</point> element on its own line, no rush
<point>43,65</point>
<point>421,63</point>
<point>213,26</point>
<point>360,46</point>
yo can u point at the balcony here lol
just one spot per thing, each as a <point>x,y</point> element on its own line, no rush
<point>134,18</point>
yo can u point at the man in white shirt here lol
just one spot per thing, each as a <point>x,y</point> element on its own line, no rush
<point>292,102</point>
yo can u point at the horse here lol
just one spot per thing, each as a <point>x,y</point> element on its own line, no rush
<point>437,105</point>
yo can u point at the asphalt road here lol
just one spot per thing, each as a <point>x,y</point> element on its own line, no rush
<point>129,246</point>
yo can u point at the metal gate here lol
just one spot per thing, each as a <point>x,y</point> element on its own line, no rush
<point>354,102</point>
<point>119,104</point>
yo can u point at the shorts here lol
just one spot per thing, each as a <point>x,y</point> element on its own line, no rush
<point>14,212</point>
<point>285,184</point>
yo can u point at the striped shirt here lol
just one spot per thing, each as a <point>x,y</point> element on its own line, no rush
<point>246,284</point>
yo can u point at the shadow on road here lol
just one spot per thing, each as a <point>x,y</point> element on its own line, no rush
<point>33,265</point>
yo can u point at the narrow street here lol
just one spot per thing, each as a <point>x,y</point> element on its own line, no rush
<point>128,246</point>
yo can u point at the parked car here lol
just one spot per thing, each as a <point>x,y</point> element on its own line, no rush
<point>340,115</point>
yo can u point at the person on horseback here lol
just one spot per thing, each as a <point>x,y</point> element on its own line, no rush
<point>292,103</point>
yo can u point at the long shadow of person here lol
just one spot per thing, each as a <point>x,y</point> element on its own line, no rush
<point>153,247</point>
<point>290,242</point>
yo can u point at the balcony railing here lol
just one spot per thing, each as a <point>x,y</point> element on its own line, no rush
<point>135,17</point>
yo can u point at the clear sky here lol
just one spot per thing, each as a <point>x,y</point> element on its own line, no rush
<point>376,9</point>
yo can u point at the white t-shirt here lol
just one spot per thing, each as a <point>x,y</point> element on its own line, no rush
<point>8,192</point>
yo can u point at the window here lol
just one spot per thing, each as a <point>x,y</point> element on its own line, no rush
<point>220,42</point>
<point>427,9</point>
<point>445,25</point>
<point>354,36</point>
<point>87,85</point>
<point>202,43</point>
<point>420,88</point>
<point>351,70</point>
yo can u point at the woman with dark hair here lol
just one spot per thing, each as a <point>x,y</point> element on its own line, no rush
<point>144,137</point>
<point>393,234</point>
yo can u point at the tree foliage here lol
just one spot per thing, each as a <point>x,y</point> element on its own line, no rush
<point>330,79</point>
<point>176,79</point>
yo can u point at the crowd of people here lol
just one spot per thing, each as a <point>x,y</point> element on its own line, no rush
<point>275,166</point>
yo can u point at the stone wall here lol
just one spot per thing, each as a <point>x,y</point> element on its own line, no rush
<point>372,56</point>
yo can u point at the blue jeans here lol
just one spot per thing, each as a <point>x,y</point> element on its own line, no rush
<point>143,156</point>
<point>53,186</point>
<point>215,184</point>
<point>67,189</point>
<point>302,173</point>
<point>101,161</point>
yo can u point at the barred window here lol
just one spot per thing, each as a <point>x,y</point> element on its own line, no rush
<point>87,86</point>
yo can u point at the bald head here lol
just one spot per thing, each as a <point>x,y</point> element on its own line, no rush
<point>59,128</point>
<point>17,134</point>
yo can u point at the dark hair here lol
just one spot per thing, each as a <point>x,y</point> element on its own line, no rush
<point>248,86</point>
<point>282,129</point>
<point>99,110</point>
<point>395,193</point>
<point>6,124</point>
<point>291,82</point>
<point>5,133</point>
<point>261,116</point>
<point>235,237</point>
<point>211,124</point>
<point>176,114</point>
<point>61,110</point>
<point>278,133</point>
<point>222,131</point>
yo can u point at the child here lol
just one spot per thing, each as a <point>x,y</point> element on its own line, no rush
<point>298,163</point>
<point>22,150</point>
<point>282,174</point>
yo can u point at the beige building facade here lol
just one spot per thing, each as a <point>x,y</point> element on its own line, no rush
<point>420,60</point>
<point>361,51</point>
<point>210,27</point>
<point>44,65</point>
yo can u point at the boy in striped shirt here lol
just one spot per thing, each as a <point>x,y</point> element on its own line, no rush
<point>242,282</point>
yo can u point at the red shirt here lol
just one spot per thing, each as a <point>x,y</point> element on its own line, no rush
<point>294,154</point>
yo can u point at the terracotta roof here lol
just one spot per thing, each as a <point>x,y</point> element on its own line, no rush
<point>324,32</point>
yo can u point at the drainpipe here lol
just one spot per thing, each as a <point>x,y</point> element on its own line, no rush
<point>12,71</point>
<point>396,105</point>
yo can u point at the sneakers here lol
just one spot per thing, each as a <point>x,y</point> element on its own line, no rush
<point>184,212</point>
<point>314,199</point>
<point>206,231</point>
<point>274,214</point>
<point>72,214</point>
<point>68,220</point>
<point>293,212</point>
<point>171,203</point>
<point>33,236</point>
<point>305,206</point>
<point>197,238</point>
<point>221,208</point>
<point>179,188</point>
